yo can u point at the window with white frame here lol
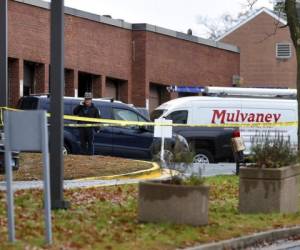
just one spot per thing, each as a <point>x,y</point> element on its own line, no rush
<point>283,50</point>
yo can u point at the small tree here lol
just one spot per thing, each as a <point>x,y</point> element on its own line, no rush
<point>294,26</point>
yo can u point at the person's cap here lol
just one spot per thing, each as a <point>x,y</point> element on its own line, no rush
<point>88,95</point>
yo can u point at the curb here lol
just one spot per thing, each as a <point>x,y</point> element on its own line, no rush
<point>153,172</point>
<point>251,240</point>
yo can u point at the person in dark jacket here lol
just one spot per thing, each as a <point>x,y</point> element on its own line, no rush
<point>87,109</point>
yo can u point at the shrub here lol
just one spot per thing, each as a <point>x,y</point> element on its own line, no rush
<point>272,151</point>
<point>182,162</point>
<point>182,153</point>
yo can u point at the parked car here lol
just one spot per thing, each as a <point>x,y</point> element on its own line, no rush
<point>130,141</point>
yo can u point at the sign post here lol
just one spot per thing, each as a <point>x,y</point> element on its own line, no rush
<point>163,131</point>
<point>3,54</point>
<point>26,131</point>
<point>56,105</point>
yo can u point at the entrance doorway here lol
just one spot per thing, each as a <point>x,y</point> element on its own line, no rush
<point>29,79</point>
<point>158,94</point>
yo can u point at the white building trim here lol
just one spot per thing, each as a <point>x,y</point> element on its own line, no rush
<point>262,10</point>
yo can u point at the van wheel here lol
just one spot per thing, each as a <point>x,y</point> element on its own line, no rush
<point>66,150</point>
<point>203,157</point>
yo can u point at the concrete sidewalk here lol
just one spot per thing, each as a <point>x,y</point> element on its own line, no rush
<point>95,181</point>
<point>130,178</point>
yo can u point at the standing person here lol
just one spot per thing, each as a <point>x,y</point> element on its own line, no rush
<point>87,109</point>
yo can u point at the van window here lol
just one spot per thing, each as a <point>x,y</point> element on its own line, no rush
<point>179,117</point>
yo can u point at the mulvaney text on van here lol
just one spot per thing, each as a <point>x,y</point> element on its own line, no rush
<point>223,116</point>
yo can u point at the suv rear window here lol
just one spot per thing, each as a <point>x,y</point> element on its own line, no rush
<point>28,103</point>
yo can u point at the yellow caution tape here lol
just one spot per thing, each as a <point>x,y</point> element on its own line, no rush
<point>100,122</point>
<point>134,123</point>
<point>228,125</point>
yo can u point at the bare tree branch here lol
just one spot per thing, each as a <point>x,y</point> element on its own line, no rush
<point>218,26</point>
<point>250,4</point>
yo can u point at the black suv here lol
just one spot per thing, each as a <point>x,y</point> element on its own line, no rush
<point>130,141</point>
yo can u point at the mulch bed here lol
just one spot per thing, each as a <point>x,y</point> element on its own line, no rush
<point>78,166</point>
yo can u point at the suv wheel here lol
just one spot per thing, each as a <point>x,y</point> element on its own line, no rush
<point>203,157</point>
<point>66,150</point>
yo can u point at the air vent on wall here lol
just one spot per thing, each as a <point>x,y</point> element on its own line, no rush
<point>283,50</point>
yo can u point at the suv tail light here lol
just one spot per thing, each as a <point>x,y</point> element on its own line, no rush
<point>236,134</point>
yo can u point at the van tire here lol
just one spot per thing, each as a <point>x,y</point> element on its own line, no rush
<point>203,156</point>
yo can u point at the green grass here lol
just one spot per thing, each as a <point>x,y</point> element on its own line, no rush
<point>105,218</point>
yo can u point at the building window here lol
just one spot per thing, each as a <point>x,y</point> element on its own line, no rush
<point>283,50</point>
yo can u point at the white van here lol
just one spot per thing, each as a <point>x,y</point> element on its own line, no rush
<point>237,105</point>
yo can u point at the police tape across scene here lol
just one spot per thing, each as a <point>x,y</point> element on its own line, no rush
<point>100,122</point>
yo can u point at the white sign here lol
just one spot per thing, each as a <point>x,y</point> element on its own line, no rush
<point>163,131</point>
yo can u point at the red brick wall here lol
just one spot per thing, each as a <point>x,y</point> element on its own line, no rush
<point>140,82</point>
<point>90,46</point>
<point>98,48</point>
<point>29,32</point>
<point>71,82</point>
<point>166,60</point>
<point>173,61</point>
<point>42,78</point>
<point>15,75</point>
<point>136,58</point>
<point>257,41</point>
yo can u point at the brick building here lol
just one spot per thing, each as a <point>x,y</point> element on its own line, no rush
<point>267,53</point>
<point>130,62</point>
